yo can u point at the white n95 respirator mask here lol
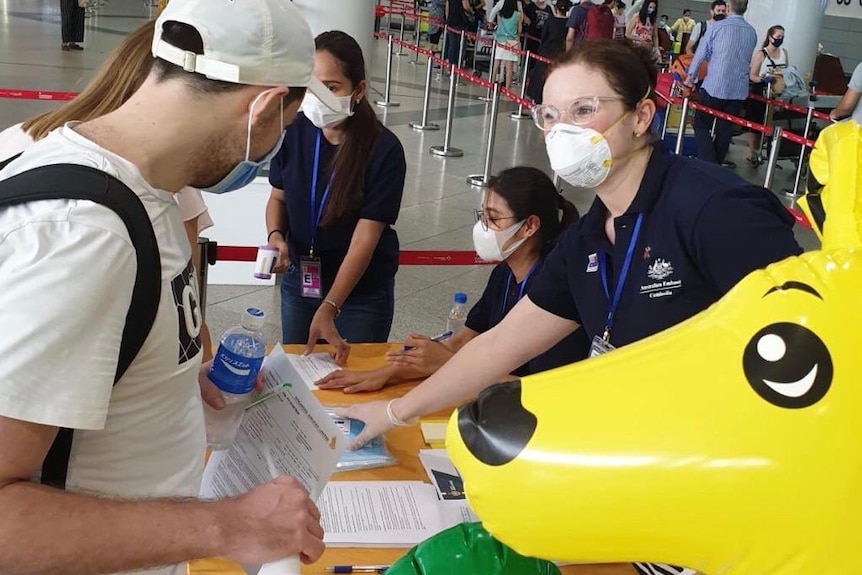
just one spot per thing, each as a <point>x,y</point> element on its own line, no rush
<point>489,243</point>
<point>580,156</point>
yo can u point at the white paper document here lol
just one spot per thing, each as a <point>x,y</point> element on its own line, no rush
<point>379,513</point>
<point>311,368</point>
<point>289,434</point>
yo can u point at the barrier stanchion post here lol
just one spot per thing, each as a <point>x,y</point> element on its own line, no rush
<point>481,180</point>
<point>425,125</point>
<point>418,37</point>
<point>766,114</point>
<point>680,136</point>
<point>488,97</point>
<point>386,102</point>
<point>443,44</point>
<point>462,48</point>
<point>206,249</point>
<point>665,120</point>
<point>520,115</point>
<point>445,150</point>
<point>773,156</point>
<point>400,51</point>
<point>795,191</point>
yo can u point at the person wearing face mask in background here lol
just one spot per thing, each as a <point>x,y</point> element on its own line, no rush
<point>767,62</point>
<point>665,238</point>
<point>642,27</point>
<point>518,225</point>
<point>337,184</point>
<point>727,47</point>
<point>717,13</point>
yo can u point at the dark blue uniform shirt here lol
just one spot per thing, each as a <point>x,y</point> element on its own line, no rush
<point>704,229</point>
<point>499,297</point>
<point>291,170</point>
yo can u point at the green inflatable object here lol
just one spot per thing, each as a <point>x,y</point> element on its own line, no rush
<point>467,549</point>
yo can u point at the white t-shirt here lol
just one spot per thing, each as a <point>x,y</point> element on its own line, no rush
<point>67,269</point>
<point>14,140</point>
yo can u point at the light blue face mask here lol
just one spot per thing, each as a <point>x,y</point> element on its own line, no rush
<point>246,171</point>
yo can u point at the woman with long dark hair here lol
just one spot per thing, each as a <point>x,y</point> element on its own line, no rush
<point>521,219</point>
<point>642,27</point>
<point>337,184</point>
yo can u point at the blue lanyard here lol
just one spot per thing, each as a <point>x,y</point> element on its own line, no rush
<point>317,211</point>
<point>621,281</point>
<point>521,289</point>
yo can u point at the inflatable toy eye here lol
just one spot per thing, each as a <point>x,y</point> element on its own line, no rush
<point>496,427</point>
<point>788,365</point>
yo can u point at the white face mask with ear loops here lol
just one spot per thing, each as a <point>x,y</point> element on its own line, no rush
<point>321,116</point>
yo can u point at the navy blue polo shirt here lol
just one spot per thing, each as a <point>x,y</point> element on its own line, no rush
<point>499,297</point>
<point>704,229</point>
<point>291,170</point>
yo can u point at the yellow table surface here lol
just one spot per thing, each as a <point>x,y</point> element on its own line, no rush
<point>404,443</point>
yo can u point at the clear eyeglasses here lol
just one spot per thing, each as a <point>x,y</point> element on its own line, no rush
<point>481,217</point>
<point>580,112</point>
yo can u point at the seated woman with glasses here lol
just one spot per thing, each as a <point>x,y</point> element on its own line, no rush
<point>518,224</point>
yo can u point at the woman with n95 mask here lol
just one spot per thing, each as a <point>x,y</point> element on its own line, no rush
<point>521,218</point>
<point>665,237</point>
<point>337,184</point>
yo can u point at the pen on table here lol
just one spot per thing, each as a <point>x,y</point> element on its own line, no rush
<point>357,569</point>
<point>439,339</point>
<point>260,399</point>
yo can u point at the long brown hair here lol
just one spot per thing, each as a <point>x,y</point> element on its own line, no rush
<point>361,131</point>
<point>119,77</point>
<point>630,69</point>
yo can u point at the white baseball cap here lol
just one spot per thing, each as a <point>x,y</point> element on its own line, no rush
<point>253,42</point>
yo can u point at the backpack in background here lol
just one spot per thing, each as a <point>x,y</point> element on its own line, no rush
<point>794,84</point>
<point>599,23</point>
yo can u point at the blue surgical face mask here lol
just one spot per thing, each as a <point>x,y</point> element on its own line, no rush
<point>247,170</point>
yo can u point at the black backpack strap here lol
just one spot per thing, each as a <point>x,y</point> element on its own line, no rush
<point>76,182</point>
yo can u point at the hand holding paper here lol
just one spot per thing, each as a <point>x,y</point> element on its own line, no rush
<point>272,521</point>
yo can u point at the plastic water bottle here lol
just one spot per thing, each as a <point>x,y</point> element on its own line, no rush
<point>458,313</point>
<point>234,371</point>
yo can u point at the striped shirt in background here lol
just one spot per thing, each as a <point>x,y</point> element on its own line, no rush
<point>728,47</point>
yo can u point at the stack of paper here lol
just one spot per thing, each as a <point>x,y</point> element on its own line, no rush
<point>434,431</point>
<point>385,513</point>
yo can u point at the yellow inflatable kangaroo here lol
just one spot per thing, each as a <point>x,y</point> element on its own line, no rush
<point>731,443</point>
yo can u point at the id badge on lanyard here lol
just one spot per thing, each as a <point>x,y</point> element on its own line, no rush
<point>310,269</point>
<point>602,344</point>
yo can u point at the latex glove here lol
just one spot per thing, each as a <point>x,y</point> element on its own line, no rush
<point>283,262</point>
<point>373,415</point>
<point>323,327</point>
<point>211,394</point>
<point>353,381</point>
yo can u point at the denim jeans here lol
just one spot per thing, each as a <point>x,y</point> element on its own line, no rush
<point>365,318</point>
<point>709,149</point>
<point>453,47</point>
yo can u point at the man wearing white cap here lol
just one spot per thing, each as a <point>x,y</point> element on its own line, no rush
<point>229,76</point>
